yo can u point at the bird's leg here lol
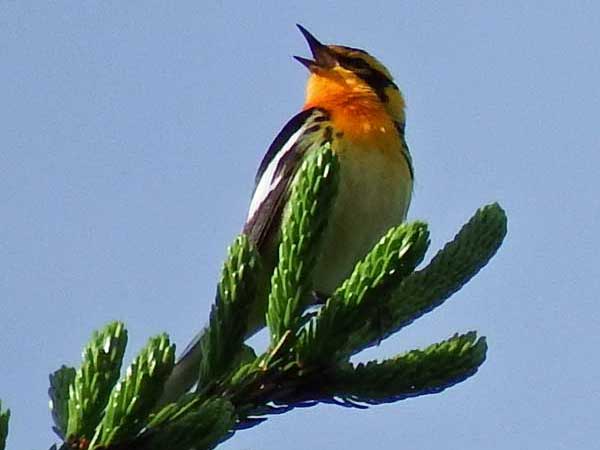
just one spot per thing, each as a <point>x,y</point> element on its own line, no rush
<point>318,298</point>
<point>381,321</point>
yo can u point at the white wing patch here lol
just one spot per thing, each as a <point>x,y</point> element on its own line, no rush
<point>267,181</point>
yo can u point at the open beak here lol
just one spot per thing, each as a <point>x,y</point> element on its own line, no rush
<point>323,59</point>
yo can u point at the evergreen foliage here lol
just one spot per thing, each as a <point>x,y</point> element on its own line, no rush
<point>4,417</point>
<point>228,319</point>
<point>313,193</point>
<point>94,380</point>
<point>134,397</point>
<point>359,297</point>
<point>308,360</point>
<point>60,381</point>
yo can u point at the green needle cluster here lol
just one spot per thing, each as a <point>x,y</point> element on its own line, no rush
<point>312,195</point>
<point>4,418</point>
<point>308,359</point>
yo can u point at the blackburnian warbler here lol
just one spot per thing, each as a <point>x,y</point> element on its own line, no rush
<point>353,104</point>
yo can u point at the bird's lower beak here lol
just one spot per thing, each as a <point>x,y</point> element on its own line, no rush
<point>323,58</point>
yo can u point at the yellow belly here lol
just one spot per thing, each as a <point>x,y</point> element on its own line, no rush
<point>374,193</point>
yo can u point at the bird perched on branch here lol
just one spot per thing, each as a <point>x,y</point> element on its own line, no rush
<point>353,104</point>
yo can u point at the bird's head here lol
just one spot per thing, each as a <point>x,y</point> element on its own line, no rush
<point>339,72</point>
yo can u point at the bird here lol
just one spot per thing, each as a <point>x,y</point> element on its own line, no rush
<point>353,104</point>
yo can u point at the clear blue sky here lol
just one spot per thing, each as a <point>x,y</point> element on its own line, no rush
<point>131,132</point>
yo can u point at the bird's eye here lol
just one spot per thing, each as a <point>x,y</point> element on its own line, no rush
<point>355,64</point>
<point>364,70</point>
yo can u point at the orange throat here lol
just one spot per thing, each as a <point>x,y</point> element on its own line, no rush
<point>355,110</point>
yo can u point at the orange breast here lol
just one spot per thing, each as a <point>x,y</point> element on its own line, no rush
<point>366,127</point>
<point>375,183</point>
<point>356,111</point>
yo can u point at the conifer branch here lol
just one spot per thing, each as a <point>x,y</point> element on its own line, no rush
<point>135,395</point>
<point>60,382</point>
<point>220,344</point>
<point>307,361</point>
<point>417,372</point>
<point>314,189</point>
<point>88,395</point>
<point>391,260</point>
<point>4,419</point>
<point>227,328</point>
<point>199,428</point>
<point>452,267</point>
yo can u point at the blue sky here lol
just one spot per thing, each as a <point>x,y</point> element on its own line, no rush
<point>131,132</point>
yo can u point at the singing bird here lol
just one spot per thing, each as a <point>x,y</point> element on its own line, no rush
<point>353,104</point>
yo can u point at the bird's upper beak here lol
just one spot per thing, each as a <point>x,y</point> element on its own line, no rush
<point>323,57</point>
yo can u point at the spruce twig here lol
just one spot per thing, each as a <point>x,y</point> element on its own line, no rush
<point>223,341</point>
<point>88,395</point>
<point>392,259</point>
<point>135,395</point>
<point>4,419</point>
<point>452,267</point>
<point>200,428</point>
<point>307,361</point>
<point>60,383</point>
<point>314,189</point>
<point>218,347</point>
<point>417,372</point>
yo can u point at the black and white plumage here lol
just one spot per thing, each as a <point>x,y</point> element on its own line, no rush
<point>276,171</point>
<point>352,103</point>
<point>374,194</point>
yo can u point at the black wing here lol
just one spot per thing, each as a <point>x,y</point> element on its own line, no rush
<point>276,172</point>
